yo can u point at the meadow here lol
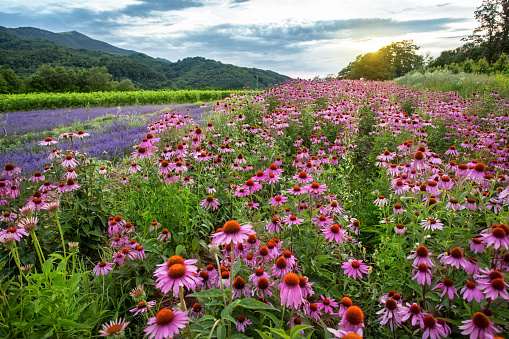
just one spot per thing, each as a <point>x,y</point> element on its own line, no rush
<point>337,209</point>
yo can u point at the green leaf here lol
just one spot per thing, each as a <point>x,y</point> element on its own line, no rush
<point>221,332</point>
<point>72,324</point>
<point>295,331</point>
<point>228,309</point>
<point>272,317</point>
<point>180,250</point>
<point>216,292</point>
<point>264,335</point>
<point>255,304</point>
<point>236,268</point>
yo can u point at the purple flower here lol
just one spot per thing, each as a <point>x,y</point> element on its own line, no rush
<point>102,268</point>
<point>355,268</point>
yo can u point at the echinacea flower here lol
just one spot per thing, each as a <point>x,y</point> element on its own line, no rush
<point>423,274</point>
<point>290,291</point>
<point>470,291</point>
<point>479,327</point>
<point>455,259</point>
<point>13,233</point>
<point>114,328</point>
<point>327,304</point>
<point>355,268</point>
<point>102,268</point>
<point>232,231</point>
<point>176,272</point>
<point>242,323</point>
<point>414,313</point>
<point>448,288</point>
<point>333,232</point>
<point>497,238</point>
<point>141,307</point>
<point>210,201</point>
<point>432,224</point>
<point>432,329</point>
<point>278,200</point>
<point>391,312</point>
<point>166,323</point>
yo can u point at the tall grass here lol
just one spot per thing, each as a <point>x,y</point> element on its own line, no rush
<point>465,84</point>
<point>34,101</point>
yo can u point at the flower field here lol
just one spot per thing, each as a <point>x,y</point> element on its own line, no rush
<point>338,209</point>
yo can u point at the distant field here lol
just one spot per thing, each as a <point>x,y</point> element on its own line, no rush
<point>36,101</point>
<point>464,83</point>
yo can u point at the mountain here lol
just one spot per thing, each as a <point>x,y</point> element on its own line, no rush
<point>71,39</point>
<point>24,56</point>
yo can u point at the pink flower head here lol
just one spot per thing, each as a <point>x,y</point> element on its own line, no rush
<point>13,233</point>
<point>176,272</point>
<point>326,304</point>
<point>355,268</point>
<point>114,328</point>
<point>497,238</point>
<point>479,326</point>
<point>242,323</point>
<point>391,313</point>
<point>141,307</point>
<point>456,259</point>
<point>470,291</point>
<point>448,288</point>
<point>315,188</point>
<point>166,324</point>
<point>278,200</point>
<point>334,232</point>
<point>432,328</point>
<point>69,161</point>
<point>432,224</point>
<point>103,268</point>
<point>290,291</point>
<point>232,231</point>
<point>423,274</point>
<point>210,201</point>
<point>252,186</point>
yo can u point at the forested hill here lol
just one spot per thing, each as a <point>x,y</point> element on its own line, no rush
<point>70,39</point>
<point>25,56</point>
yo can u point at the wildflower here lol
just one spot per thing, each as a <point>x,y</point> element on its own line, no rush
<point>431,328</point>
<point>196,310</point>
<point>355,268</point>
<point>47,141</point>
<point>252,186</point>
<point>141,307</point>
<point>281,268</point>
<point>322,220</point>
<point>313,311</point>
<point>448,288</point>
<point>432,224</point>
<point>290,289</point>
<point>69,161</point>
<point>293,220</point>
<point>134,168</point>
<point>497,238</point>
<point>353,321</point>
<point>455,259</point>
<point>423,275</point>
<point>239,286</point>
<point>102,268</point>
<point>114,328</point>
<point>166,323</point>
<point>327,304</point>
<point>164,236</point>
<point>399,228</point>
<point>232,231</point>
<point>479,326</point>
<point>10,170</point>
<point>470,291</point>
<point>415,313</point>
<point>391,312</point>
<point>176,272</point>
<point>274,225</point>
<point>242,323</point>
<point>494,286</point>
<point>262,287</point>
<point>315,188</point>
<point>210,201</point>
<point>333,232</point>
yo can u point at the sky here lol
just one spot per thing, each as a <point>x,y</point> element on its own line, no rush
<point>297,38</point>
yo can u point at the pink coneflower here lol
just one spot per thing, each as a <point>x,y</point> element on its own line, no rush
<point>415,313</point>
<point>141,153</point>
<point>47,141</point>
<point>393,170</point>
<point>418,163</point>
<point>497,238</point>
<point>259,273</point>
<point>479,327</point>
<point>260,176</point>
<point>114,328</point>
<point>432,224</point>
<point>232,232</point>
<point>164,235</point>
<point>239,287</point>
<point>242,323</point>
<point>70,185</point>
<point>471,204</point>
<point>456,259</point>
<point>352,322</point>
<point>7,216</point>
<point>296,190</point>
<point>322,220</point>
<point>141,307</point>
<point>293,220</point>
<point>210,201</point>
<point>333,232</point>
<point>290,291</point>
<point>452,152</point>
<point>445,183</point>
<point>166,323</point>
<point>399,228</point>
<point>102,170</point>
<point>273,169</point>
<point>103,268</point>
<point>421,256</point>
<point>10,170</point>
<point>495,286</point>
<point>176,272</point>
<point>278,200</point>
<point>477,172</point>
<point>423,274</point>
<point>252,205</point>
<point>391,312</point>
<point>470,291</point>
<point>397,209</point>
<point>262,287</point>
<point>305,287</point>
<point>134,168</point>
<point>355,268</point>
<point>38,176</point>
<point>13,233</point>
<point>302,177</point>
<point>476,245</point>
<point>80,134</point>
<point>315,188</point>
<point>326,304</point>
<point>448,288</point>
<point>454,205</point>
<point>432,328</point>
<point>280,268</point>
<point>313,311</point>
<point>69,161</point>
<point>252,186</point>
<point>274,225</point>
<point>196,311</point>
<point>28,223</point>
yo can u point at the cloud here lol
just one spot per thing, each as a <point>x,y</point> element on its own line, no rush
<point>147,7</point>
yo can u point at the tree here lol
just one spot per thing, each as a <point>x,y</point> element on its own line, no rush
<point>387,63</point>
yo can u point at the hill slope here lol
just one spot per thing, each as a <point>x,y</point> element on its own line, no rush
<point>24,56</point>
<point>71,39</point>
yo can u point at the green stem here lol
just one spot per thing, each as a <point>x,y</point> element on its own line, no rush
<point>183,307</point>
<point>61,234</point>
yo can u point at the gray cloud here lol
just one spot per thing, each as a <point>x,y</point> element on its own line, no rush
<point>148,7</point>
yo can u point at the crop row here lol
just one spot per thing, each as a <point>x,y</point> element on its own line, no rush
<point>34,101</point>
